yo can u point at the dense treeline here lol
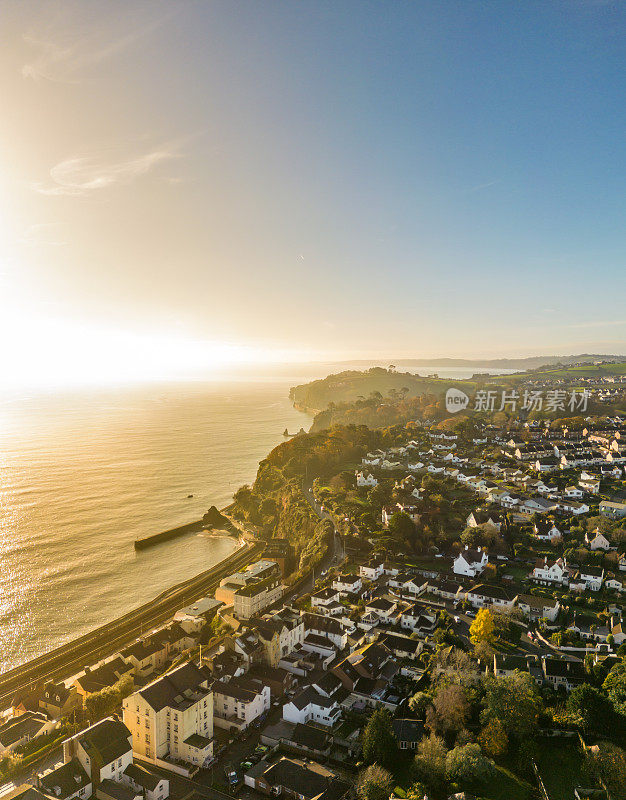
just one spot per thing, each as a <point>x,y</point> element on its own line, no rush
<point>276,504</point>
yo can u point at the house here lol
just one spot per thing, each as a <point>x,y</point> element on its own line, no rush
<point>103,676</point>
<point>366,662</point>
<point>103,751</point>
<point>149,785</point>
<point>363,480</point>
<point>614,582</point>
<point>384,609</point>
<point>546,531</point>
<point>597,541</point>
<point>550,571</point>
<point>482,596</point>
<point>194,617</point>
<point>58,700</point>
<point>345,583</point>
<point>408,733</point>
<point>536,505</point>
<point>283,553</point>
<point>324,598</point>
<point>573,492</point>
<point>172,717</point>
<point>478,519</point>
<point>470,562</point>
<point>418,619</point>
<point>329,627</point>
<point>402,646</point>
<point>372,570</point>
<point>254,573</point>
<point>295,778</point>
<point>562,674</point>
<point>311,706</point>
<point>592,577</point>
<point>591,485</point>
<point>573,507</point>
<point>612,510</point>
<point>19,730</point>
<point>253,598</point>
<point>505,665</point>
<point>237,703</point>
<point>66,782</point>
<point>535,607</point>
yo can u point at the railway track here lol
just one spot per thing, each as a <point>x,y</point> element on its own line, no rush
<point>70,658</point>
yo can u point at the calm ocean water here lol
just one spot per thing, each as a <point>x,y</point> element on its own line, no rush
<point>84,474</point>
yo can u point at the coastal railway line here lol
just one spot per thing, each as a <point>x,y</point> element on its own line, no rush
<point>71,658</point>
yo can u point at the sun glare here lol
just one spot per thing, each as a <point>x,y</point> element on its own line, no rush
<point>48,353</point>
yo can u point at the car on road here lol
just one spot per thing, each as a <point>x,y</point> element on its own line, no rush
<point>232,778</point>
<point>457,619</point>
<point>245,766</point>
<point>470,613</point>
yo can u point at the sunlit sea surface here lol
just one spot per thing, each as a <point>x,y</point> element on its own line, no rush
<point>83,474</point>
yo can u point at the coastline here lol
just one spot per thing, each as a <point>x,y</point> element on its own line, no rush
<point>105,640</point>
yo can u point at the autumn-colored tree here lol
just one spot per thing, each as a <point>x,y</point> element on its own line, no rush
<point>483,627</point>
<point>514,701</point>
<point>374,783</point>
<point>430,760</point>
<point>449,711</point>
<point>493,738</point>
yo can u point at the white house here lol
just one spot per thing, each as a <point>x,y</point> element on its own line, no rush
<point>237,703</point>
<point>363,480</point>
<point>547,572</point>
<point>311,706</point>
<point>597,541</point>
<point>546,531</point>
<point>373,570</point>
<point>536,607</point>
<point>470,562</point>
<point>573,492</point>
<point>104,750</point>
<point>347,584</point>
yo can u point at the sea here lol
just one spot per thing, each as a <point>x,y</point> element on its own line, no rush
<point>84,473</point>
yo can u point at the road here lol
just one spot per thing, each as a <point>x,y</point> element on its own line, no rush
<point>71,658</point>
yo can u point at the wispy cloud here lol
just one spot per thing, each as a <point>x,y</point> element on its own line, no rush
<point>83,175</point>
<point>600,323</point>
<point>42,233</point>
<point>480,186</point>
<point>62,59</point>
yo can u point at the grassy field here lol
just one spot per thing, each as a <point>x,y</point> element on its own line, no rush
<point>559,766</point>
<point>598,371</point>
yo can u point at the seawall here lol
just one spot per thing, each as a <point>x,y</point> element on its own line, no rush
<point>172,533</point>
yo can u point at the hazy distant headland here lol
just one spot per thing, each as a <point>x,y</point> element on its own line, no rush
<point>353,385</point>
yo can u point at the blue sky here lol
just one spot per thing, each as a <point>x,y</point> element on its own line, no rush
<point>324,178</point>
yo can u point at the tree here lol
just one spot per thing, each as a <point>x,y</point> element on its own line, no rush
<point>468,765</point>
<point>378,741</point>
<point>450,710</point>
<point>592,707</point>
<point>419,703</point>
<point>493,738</point>
<point>483,627</point>
<point>514,701</point>
<point>608,761</point>
<point>374,783</point>
<point>430,760</point>
<point>615,685</point>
